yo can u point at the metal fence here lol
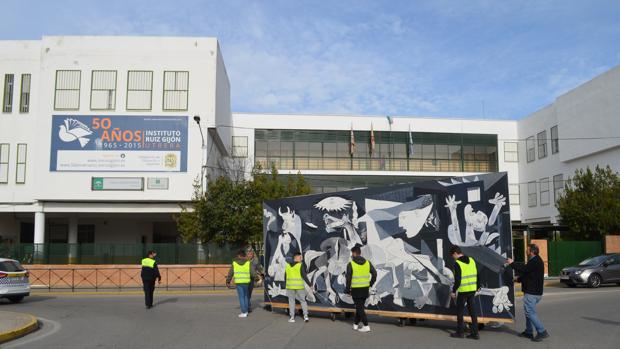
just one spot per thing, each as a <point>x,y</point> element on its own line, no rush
<point>54,253</point>
<point>124,277</point>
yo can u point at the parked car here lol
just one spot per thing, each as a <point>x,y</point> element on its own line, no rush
<point>14,280</point>
<point>593,272</point>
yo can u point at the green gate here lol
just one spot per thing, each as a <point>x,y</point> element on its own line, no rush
<point>564,254</point>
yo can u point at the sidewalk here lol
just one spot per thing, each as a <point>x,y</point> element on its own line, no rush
<point>14,325</point>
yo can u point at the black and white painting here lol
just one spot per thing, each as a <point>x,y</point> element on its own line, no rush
<point>406,231</point>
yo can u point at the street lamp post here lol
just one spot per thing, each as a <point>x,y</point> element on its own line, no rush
<point>202,156</point>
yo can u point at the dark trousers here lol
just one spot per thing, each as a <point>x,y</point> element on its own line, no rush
<point>149,289</point>
<point>250,288</point>
<point>461,300</point>
<point>360,313</point>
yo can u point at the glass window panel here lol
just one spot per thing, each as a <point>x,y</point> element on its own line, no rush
<point>301,149</point>
<point>343,149</point>
<point>468,152</point>
<point>400,151</point>
<point>428,151</point>
<point>455,152</point>
<point>330,150</point>
<point>286,149</point>
<point>273,148</point>
<point>441,151</point>
<point>261,148</point>
<point>361,150</point>
<point>315,149</point>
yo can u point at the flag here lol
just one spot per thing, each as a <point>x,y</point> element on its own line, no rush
<point>410,142</point>
<point>352,142</point>
<point>372,140</point>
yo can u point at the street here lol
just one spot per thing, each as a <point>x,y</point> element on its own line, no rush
<point>575,318</point>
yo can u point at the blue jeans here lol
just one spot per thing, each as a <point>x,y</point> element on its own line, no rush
<point>242,292</point>
<point>531,318</point>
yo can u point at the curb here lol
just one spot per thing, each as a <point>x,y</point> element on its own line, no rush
<point>32,326</point>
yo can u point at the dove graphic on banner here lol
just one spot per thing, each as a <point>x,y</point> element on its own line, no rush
<point>72,130</point>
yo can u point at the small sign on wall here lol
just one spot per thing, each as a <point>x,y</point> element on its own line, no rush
<point>117,183</point>
<point>157,183</point>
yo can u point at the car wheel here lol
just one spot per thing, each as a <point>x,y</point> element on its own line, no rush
<point>16,299</point>
<point>594,281</point>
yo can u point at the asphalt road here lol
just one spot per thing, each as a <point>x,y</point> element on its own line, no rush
<point>575,318</point>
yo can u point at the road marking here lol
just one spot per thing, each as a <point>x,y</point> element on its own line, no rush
<point>37,336</point>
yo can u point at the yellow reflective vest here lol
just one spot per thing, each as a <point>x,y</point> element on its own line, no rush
<point>241,272</point>
<point>469,276</point>
<point>148,262</point>
<point>294,280</point>
<point>360,276</point>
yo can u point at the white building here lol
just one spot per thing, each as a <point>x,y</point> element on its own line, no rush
<point>98,142</point>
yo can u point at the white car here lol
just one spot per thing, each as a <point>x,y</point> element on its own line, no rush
<point>14,282</point>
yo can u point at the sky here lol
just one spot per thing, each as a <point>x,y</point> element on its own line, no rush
<point>471,59</point>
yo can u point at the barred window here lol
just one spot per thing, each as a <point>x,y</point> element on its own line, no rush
<point>103,90</point>
<point>513,191</point>
<point>24,100</point>
<point>542,144</point>
<point>532,200</point>
<point>176,88</point>
<point>530,146</point>
<point>555,144</point>
<point>544,191</point>
<point>240,146</point>
<point>4,162</point>
<point>558,186</point>
<point>139,90</point>
<point>20,175</point>
<point>7,101</point>
<point>67,93</point>
<point>511,151</point>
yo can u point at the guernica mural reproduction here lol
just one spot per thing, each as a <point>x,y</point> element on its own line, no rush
<point>406,231</point>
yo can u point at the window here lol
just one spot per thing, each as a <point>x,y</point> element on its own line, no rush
<point>176,86</point>
<point>511,151</point>
<point>4,162</point>
<point>513,192</point>
<point>20,175</point>
<point>67,94</point>
<point>531,152</point>
<point>7,101</point>
<point>542,144</point>
<point>86,234</point>
<point>555,144</point>
<point>240,146</point>
<point>103,90</point>
<point>24,100</point>
<point>558,186</point>
<point>531,194</point>
<point>544,191</point>
<point>139,90</point>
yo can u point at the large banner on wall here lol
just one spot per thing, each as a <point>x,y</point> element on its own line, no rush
<point>406,232</point>
<point>85,143</point>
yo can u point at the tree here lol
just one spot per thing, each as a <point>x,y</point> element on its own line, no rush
<point>590,205</point>
<point>231,210</point>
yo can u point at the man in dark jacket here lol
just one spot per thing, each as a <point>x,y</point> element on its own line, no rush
<point>532,277</point>
<point>149,274</point>
<point>466,283</point>
<point>360,275</point>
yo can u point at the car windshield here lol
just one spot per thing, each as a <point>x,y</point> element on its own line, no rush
<point>593,261</point>
<point>9,266</point>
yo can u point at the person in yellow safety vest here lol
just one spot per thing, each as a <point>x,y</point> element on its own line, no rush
<point>360,276</point>
<point>149,274</point>
<point>243,274</point>
<point>466,284</point>
<point>295,286</point>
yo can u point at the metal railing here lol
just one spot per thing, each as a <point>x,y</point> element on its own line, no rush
<point>126,277</point>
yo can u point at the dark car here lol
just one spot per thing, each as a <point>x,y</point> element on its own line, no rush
<point>593,271</point>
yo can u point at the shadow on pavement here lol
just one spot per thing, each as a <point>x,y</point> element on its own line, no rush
<point>602,321</point>
<point>167,300</point>
<point>30,299</point>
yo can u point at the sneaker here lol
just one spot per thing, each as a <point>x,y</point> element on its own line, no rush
<point>539,337</point>
<point>291,319</point>
<point>243,315</point>
<point>355,327</point>
<point>364,329</point>
<point>526,335</point>
<point>306,318</point>
<point>457,335</point>
<point>473,336</point>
